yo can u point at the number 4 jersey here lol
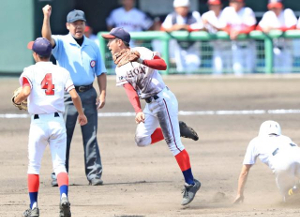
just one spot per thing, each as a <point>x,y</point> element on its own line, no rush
<point>48,83</point>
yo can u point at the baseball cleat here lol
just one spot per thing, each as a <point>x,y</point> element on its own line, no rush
<point>64,207</point>
<point>187,132</point>
<point>189,192</point>
<point>32,212</point>
<point>95,182</point>
<point>293,190</point>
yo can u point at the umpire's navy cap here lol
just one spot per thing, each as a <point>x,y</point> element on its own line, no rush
<point>75,15</point>
<point>118,32</point>
<point>41,46</point>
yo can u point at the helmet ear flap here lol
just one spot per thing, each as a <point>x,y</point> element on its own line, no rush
<point>269,127</point>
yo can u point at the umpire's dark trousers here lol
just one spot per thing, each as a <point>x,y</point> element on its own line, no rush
<point>92,160</point>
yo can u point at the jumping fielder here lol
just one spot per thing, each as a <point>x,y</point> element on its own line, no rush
<point>44,84</point>
<point>278,152</point>
<point>137,71</point>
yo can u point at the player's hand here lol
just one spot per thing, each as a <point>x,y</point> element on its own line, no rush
<point>47,9</point>
<point>82,120</point>
<point>239,199</point>
<point>100,101</point>
<point>140,117</point>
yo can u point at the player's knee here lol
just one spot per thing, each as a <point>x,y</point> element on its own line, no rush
<point>142,141</point>
<point>59,168</point>
<point>33,168</point>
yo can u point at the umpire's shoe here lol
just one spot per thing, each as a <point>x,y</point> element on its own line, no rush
<point>187,132</point>
<point>64,207</point>
<point>32,212</point>
<point>189,192</point>
<point>54,180</point>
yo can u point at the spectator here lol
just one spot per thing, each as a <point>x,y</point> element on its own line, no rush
<point>82,58</point>
<point>187,53</point>
<point>88,32</point>
<point>129,17</point>
<point>278,18</point>
<point>296,48</point>
<point>221,48</point>
<point>240,20</point>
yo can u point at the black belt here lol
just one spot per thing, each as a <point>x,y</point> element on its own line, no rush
<point>149,99</point>
<point>36,116</point>
<point>83,88</point>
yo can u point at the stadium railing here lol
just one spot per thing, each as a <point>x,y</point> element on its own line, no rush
<point>160,41</point>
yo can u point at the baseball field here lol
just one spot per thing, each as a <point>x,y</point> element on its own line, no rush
<point>225,111</point>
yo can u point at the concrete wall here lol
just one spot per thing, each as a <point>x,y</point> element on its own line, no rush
<point>16,21</point>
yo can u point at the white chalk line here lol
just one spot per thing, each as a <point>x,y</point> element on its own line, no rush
<point>183,113</point>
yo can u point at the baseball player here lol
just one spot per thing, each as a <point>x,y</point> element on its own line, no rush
<point>221,48</point>
<point>82,58</point>
<point>278,152</point>
<point>240,20</point>
<point>280,19</point>
<point>44,84</point>
<point>187,53</point>
<point>137,71</point>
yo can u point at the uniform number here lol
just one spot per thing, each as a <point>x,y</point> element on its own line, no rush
<point>47,84</point>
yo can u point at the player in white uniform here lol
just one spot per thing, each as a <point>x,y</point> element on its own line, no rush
<point>142,80</point>
<point>221,48</point>
<point>129,17</point>
<point>278,152</point>
<point>186,53</point>
<point>44,84</point>
<point>278,18</point>
<point>240,20</point>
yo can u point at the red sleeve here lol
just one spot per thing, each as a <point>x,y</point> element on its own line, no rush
<point>290,28</point>
<point>25,82</point>
<point>258,28</point>
<point>133,97</point>
<point>247,29</point>
<point>156,63</point>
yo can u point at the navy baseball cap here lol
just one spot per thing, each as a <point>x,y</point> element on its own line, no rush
<point>75,15</point>
<point>118,32</point>
<point>41,46</point>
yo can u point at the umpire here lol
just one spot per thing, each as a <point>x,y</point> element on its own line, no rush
<point>82,58</point>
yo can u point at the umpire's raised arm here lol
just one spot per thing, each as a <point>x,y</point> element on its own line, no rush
<point>46,28</point>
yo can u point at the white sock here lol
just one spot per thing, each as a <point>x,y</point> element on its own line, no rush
<point>34,205</point>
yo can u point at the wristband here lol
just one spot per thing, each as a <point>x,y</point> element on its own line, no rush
<point>139,60</point>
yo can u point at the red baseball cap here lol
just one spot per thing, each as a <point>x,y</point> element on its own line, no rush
<point>214,2</point>
<point>275,4</point>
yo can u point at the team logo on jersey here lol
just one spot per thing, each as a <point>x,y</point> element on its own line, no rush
<point>93,63</point>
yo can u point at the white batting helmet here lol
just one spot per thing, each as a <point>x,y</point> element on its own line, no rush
<point>269,127</point>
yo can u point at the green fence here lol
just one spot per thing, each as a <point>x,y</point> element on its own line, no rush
<point>264,44</point>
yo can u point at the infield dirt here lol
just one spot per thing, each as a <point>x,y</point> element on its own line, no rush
<point>147,181</point>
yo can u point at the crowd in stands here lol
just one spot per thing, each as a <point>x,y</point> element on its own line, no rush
<point>235,19</point>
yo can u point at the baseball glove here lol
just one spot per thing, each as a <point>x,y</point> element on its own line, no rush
<point>126,56</point>
<point>22,105</point>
